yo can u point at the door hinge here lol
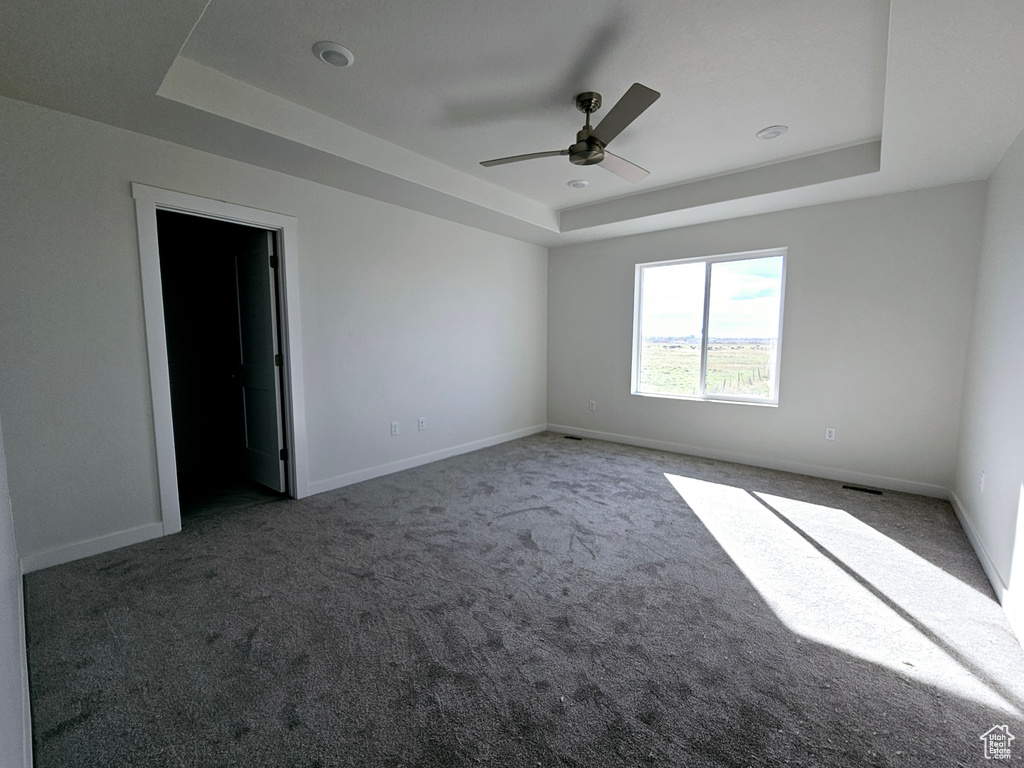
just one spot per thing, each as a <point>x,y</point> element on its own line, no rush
<point>284,454</point>
<point>277,360</point>
<point>273,261</point>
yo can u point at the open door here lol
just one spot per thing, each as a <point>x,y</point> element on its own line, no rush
<point>192,317</point>
<point>260,358</point>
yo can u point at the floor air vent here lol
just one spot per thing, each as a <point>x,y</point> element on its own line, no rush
<point>862,489</point>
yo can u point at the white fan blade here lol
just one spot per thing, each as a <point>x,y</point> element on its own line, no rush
<point>622,167</point>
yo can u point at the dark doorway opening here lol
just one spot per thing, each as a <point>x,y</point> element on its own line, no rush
<point>208,304</point>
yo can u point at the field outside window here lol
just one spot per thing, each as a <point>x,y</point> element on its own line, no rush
<point>710,328</point>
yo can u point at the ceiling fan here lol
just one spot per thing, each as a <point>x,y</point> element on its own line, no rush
<point>589,148</point>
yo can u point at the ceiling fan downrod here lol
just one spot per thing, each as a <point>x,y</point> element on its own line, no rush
<point>588,150</point>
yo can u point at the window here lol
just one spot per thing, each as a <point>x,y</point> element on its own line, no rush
<point>710,328</point>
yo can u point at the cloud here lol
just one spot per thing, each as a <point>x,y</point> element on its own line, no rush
<point>745,297</point>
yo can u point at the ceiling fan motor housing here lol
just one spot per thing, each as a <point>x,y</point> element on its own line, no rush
<point>587,150</point>
<point>587,154</point>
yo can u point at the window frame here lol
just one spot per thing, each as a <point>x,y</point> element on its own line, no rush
<point>707,261</point>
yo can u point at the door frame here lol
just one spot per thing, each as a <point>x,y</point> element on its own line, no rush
<point>148,200</point>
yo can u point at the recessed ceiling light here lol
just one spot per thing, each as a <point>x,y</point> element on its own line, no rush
<point>578,183</point>
<point>335,54</point>
<point>772,131</point>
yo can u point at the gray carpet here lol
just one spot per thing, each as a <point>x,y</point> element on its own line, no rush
<point>546,602</point>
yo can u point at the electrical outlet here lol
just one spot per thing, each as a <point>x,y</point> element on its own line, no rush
<point>830,433</point>
<point>981,483</point>
<point>394,428</point>
<point>421,423</point>
<point>593,405</point>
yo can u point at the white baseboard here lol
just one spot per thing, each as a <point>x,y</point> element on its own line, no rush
<point>89,547</point>
<point>65,554</point>
<point>1009,596</point>
<point>319,486</point>
<point>828,473</point>
<point>987,563</point>
<point>26,704</point>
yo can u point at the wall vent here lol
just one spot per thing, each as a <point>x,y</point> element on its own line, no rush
<point>862,489</point>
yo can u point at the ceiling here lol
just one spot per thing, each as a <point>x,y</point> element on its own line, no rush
<point>879,97</point>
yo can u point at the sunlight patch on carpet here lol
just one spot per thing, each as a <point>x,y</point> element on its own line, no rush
<point>832,579</point>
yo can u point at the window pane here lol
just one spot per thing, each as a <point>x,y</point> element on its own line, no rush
<point>671,320</point>
<point>743,327</point>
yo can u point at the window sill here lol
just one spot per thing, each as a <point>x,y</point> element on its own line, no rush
<point>710,399</point>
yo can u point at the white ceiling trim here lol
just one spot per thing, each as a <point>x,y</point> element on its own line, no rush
<point>385,166</point>
<point>777,177</point>
<point>199,86</point>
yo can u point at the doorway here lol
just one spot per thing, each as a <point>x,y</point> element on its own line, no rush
<point>228,345</point>
<point>220,297</point>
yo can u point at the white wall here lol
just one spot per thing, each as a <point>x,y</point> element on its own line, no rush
<point>879,297</point>
<point>403,315</point>
<point>15,737</point>
<point>992,427</point>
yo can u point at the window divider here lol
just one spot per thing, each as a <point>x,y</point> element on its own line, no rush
<point>704,331</point>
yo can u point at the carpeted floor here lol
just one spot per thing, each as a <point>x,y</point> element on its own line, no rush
<point>546,602</point>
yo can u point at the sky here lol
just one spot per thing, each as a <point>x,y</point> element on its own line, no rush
<point>744,299</point>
